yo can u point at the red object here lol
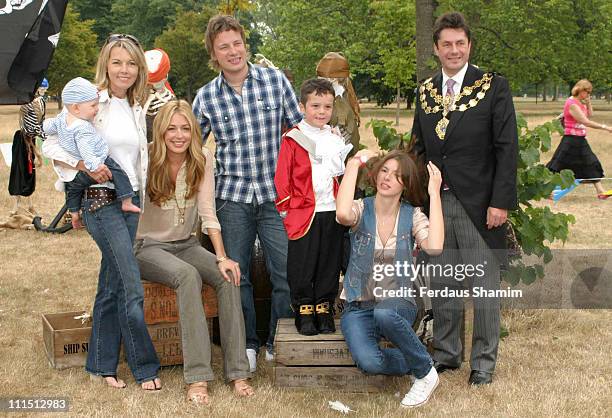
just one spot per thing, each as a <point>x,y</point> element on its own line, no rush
<point>158,64</point>
<point>295,193</point>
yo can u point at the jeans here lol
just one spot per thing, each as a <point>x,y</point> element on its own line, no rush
<point>118,314</point>
<point>183,265</point>
<point>240,223</point>
<point>76,187</point>
<point>365,323</point>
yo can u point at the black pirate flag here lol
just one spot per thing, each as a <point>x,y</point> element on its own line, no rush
<point>29,32</point>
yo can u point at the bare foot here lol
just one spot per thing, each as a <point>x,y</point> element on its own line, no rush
<point>242,389</point>
<point>198,393</point>
<point>75,219</point>
<point>151,385</point>
<point>128,206</point>
<point>111,381</point>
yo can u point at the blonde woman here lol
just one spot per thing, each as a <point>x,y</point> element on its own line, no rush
<point>121,76</point>
<point>574,152</point>
<point>180,190</point>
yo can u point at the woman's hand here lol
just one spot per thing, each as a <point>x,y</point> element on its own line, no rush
<point>435,179</point>
<point>230,270</point>
<point>367,152</point>
<point>102,174</point>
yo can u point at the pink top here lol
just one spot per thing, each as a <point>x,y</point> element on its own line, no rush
<point>572,127</point>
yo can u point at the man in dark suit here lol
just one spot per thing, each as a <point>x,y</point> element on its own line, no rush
<point>465,123</point>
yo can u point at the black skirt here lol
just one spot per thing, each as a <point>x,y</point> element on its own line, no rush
<point>574,153</point>
<point>22,179</point>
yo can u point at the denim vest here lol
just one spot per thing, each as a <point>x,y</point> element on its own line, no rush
<point>363,238</point>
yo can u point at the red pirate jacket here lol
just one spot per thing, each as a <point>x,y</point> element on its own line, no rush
<point>293,181</point>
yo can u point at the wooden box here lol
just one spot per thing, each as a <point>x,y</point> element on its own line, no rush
<point>167,341</point>
<point>160,303</point>
<point>66,339</point>
<point>318,361</point>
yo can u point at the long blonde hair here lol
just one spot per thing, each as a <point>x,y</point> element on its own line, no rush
<point>137,93</point>
<point>160,187</point>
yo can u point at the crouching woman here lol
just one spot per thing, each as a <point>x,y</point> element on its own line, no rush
<point>180,189</point>
<point>383,230</point>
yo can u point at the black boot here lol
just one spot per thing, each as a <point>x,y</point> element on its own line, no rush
<point>325,318</point>
<point>305,321</point>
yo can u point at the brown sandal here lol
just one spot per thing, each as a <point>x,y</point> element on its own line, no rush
<point>242,389</point>
<point>197,393</point>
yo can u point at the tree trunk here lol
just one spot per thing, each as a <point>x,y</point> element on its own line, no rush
<point>188,93</point>
<point>424,36</point>
<point>397,105</point>
<point>544,92</point>
<point>536,93</point>
<point>556,93</point>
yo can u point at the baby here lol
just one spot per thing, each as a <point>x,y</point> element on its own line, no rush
<point>77,136</point>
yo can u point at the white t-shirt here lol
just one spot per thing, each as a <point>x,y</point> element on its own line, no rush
<point>121,135</point>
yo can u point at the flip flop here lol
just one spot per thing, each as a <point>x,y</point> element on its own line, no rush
<point>156,385</point>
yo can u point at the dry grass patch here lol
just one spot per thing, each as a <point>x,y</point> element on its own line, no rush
<point>553,363</point>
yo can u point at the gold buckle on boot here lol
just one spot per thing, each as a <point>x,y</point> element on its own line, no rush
<point>323,308</point>
<point>306,309</point>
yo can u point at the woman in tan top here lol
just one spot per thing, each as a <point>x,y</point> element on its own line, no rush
<point>180,188</point>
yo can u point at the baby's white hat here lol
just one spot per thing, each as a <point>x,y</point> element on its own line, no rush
<point>79,90</point>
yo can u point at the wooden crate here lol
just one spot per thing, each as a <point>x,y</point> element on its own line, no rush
<point>160,303</point>
<point>167,341</point>
<point>66,339</point>
<point>318,361</point>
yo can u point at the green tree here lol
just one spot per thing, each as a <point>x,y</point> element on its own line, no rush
<point>297,33</point>
<point>540,42</point>
<point>184,43</point>
<point>76,52</point>
<point>99,12</point>
<point>393,36</point>
<point>143,19</point>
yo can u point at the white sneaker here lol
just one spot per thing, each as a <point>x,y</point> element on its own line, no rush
<point>252,357</point>
<point>421,390</point>
<point>269,355</point>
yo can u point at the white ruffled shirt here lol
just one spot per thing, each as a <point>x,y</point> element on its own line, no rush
<point>327,163</point>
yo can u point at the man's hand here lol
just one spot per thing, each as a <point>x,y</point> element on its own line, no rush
<point>496,217</point>
<point>102,174</point>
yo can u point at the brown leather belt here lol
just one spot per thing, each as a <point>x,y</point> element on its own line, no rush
<point>100,196</point>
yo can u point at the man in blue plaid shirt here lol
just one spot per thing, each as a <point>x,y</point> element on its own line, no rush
<point>245,107</point>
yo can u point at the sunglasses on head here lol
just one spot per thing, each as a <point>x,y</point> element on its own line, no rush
<point>119,36</point>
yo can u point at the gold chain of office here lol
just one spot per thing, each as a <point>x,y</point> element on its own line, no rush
<point>443,102</point>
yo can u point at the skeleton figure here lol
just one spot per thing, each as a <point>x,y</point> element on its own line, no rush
<point>10,5</point>
<point>31,117</point>
<point>160,91</point>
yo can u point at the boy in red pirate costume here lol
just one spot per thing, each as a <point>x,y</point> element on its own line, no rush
<point>311,158</point>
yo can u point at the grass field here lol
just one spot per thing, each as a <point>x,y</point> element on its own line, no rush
<point>553,363</point>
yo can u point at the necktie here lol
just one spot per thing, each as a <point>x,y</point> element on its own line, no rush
<point>450,91</point>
